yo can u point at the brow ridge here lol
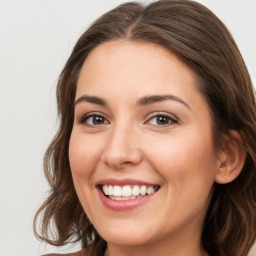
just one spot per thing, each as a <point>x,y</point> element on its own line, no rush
<point>91,99</point>
<point>158,98</point>
<point>146,100</point>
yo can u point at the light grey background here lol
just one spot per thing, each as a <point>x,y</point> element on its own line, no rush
<point>36,38</point>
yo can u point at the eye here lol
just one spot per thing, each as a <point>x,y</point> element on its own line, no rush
<point>161,120</point>
<point>93,120</point>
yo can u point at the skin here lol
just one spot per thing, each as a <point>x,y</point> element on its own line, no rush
<point>177,154</point>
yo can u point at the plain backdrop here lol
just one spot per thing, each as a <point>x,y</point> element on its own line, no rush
<point>36,38</point>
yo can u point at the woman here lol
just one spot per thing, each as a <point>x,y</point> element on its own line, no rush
<point>155,153</point>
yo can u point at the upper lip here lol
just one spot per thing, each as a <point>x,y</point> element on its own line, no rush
<point>123,182</point>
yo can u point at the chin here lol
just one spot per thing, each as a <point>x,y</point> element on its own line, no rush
<point>124,239</point>
<point>124,235</point>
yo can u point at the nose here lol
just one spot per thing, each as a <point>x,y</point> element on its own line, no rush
<point>122,148</point>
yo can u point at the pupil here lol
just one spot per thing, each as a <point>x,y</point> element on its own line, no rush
<point>162,120</point>
<point>98,120</point>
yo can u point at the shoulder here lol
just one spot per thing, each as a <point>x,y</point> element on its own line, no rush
<point>80,253</point>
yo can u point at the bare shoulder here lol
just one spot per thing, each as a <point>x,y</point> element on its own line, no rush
<point>80,253</point>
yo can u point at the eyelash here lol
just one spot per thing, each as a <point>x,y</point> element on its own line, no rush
<point>170,118</point>
<point>91,115</point>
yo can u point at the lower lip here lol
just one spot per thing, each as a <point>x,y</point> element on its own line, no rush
<point>124,205</point>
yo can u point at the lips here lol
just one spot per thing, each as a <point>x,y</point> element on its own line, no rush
<point>125,194</point>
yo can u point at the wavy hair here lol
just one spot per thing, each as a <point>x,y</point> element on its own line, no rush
<point>199,39</point>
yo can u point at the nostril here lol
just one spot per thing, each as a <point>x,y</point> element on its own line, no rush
<point>119,162</point>
<point>126,163</point>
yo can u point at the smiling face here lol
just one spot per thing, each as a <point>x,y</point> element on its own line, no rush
<point>142,128</point>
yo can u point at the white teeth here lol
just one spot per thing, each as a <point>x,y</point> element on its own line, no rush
<point>119,198</point>
<point>117,191</point>
<point>150,190</point>
<point>110,190</point>
<point>136,190</point>
<point>127,192</point>
<point>143,190</point>
<point>105,190</point>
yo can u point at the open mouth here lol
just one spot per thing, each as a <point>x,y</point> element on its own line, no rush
<point>128,192</point>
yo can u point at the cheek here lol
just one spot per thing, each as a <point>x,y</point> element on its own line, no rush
<point>83,159</point>
<point>184,158</point>
<point>82,155</point>
<point>188,168</point>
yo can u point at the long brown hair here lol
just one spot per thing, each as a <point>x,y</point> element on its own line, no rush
<point>196,36</point>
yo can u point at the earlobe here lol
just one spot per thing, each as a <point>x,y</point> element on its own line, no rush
<point>231,159</point>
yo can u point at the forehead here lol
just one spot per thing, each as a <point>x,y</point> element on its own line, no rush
<point>143,67</point>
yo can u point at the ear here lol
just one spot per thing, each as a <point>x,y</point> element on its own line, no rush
<point>231,158</point>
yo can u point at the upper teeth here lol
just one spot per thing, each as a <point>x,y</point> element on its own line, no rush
<point>114,190</point>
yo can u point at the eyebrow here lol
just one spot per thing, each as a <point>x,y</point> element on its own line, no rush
<point>159,98</point>
<point>146,100</point>
<point>91,99</point>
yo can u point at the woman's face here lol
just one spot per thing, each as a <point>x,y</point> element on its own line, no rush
<point>142,130</point>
